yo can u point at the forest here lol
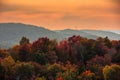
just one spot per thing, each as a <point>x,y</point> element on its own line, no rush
<point>74,58</point>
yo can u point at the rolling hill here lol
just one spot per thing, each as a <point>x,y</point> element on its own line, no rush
<point>91,34</point>
<point>11,33</point>
<point>70,32</point>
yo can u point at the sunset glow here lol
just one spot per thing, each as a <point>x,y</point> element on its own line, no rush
<point>62,14</point>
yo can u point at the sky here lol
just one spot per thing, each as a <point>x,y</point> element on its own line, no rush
<point>63,14</point>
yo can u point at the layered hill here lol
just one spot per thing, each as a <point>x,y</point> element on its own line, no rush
<point>11,33</point>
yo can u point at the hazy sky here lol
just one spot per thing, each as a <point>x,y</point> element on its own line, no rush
<point>62,14</point>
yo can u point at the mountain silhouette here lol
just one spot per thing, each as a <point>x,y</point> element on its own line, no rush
<point>11,33</point>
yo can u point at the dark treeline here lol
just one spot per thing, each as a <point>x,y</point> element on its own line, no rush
<point>75,58</point>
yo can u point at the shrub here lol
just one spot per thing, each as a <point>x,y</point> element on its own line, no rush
<point>24,70</point>
<point>112,72</point>
<point>53,70</point>
<point>87,75</point>
<point>40,78</point>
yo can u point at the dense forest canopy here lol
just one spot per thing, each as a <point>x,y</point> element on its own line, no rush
<point>75,58</point>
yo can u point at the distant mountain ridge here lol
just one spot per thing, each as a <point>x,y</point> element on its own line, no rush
<point>11,33</point>
<point>115,31</point>
<point>70,32</point>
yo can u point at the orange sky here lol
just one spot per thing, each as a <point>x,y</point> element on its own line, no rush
<point>62,14</point>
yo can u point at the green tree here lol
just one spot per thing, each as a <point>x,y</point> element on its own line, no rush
<point>24,70</point>
<point>24,40</point>
<point>107,42</point>
<point>39,58</point>
<point>70,72</point>
<point>53,70</point>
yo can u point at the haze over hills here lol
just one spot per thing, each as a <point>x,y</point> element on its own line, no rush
<point>70,32</point>
<point>115,31</point>
<point>91,34</point>
<point>102,33</point>
<point>11,33</point>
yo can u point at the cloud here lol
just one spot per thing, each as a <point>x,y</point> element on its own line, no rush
<point>116,4</point>
<point>24,9</point>
<point>76,12</point>
<point>6,8</point>
<point>70,17</point>
<point>97,9</point>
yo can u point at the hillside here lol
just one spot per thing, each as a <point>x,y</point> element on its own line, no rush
<point>91,34</point>
<point>11,33</point>
<point>111,35</point>
<point>69,32</point>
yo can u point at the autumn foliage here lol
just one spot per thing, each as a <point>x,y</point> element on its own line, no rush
<point>75,58</point>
